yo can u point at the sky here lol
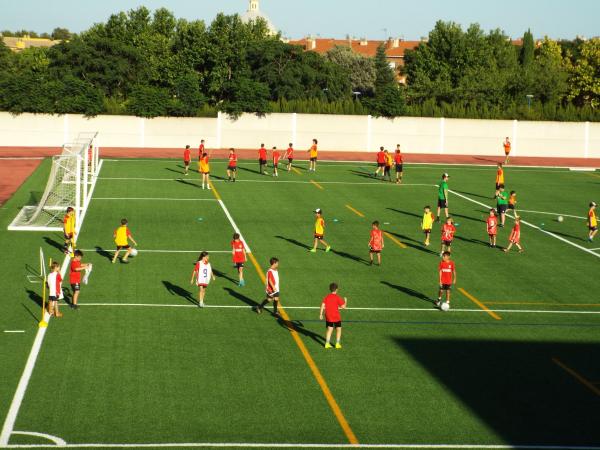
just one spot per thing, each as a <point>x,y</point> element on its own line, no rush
<point>371,19</point>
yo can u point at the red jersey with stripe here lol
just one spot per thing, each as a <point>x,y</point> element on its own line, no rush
<point>448,231</point>
<point>381,157</point>
<point>238,251</point>
<point>272,281</point>
<point>398,158</point>
<point>54,285</point>
<point>446,270</point>
<point>332,304</point>
<point>276,157</point>
<point>515,234</point>
<point>262,153</point>
<point>74,275</point>
<point>187,155</point>
<point>233,160</point>
<point>289,153</point>
<point>200,151</point>
<point>376,241</point>
<point>492,225</point>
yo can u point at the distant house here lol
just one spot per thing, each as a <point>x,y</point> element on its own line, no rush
<point>394,48</point>
<point>17,44</point>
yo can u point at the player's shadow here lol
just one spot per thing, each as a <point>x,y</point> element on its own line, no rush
<point>188,183</point>
<point>295,242</point>
<point>406,213</point>
<point>30,312</point>
<point>350,256</point>
<point>472,240</point>
<point>472,194</point>
<point>577,238</point>
<point>474,219</point>
<point>53,243</point>
<point>34,297</point>
<point>241,297</point>
<point>409,291</point>
<point>180,172</point>
<point>414,244</point>
<point>245,169</point>
<point>103,253</point>
<point>173,289</point>
<point>220,274</point>
<point>298,327</point>
<point>358,173</point>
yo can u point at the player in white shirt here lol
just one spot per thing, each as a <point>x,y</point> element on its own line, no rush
<point>271,288</point>
<point>55,293</point>
<point>202,274</point>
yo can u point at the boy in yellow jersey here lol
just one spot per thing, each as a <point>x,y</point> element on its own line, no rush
<point>427,224</point>
<point>592,221</point>
<point>205,170</point>
<point>312,167</point>
<point>69,231</point>
<point>387,170</point>
<point>122,236</point>
<point>499,178</point>
<point>319,232</point>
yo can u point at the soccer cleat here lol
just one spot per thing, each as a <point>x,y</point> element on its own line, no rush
<point>338,345</point>
<point>258,309</point>
<point>438,302</point>
<point>328,345</point>
<point>328,248</point>
<point>208,187</point>
<point>201,305</point>
<point>242,283</point>
<point>313,250</point>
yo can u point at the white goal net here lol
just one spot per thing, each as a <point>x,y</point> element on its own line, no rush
<point>72,176</point>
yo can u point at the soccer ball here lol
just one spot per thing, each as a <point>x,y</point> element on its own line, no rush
<point>133,252</point>
<point>561,218</point>
<point>445,306</point>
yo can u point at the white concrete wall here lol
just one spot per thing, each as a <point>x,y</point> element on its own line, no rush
<point>335,133</point>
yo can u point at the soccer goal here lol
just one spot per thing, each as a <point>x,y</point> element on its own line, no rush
<point>72,176</point>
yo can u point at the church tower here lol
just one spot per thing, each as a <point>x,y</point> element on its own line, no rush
<point>254,7</point>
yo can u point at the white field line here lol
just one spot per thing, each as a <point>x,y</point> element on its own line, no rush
<point>550,213</point>
<point>161,251</point>
<point>15,405</point>
<point>170,305</point>
<point>560,238</point>
<point>159,199</point>
<point>57,441</point>
<point>14,331</point>
<point>292,445</point>
<point>235,227</point>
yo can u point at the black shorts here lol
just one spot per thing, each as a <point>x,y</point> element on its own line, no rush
<point>333,324</point>
<point>75,287</point>
<point>52,298</point>
<point>502,209</point>
<point>398,168</point>
<point>442,203</point>
<point>497,186</point>
<point>186,163</point>
<point>68,236</point>
<point>374,251</point>
<point>319,236</point>
<point>239,265</point>
<point>380,164</point>
<point>445,287</point>
<point>593,228</point>
<point>262,162</point>
<point>511,206</point>
<point>290,160</point>
<point>123,247</point>
<point>232,168</point>
<point>275,165</point>
<point>428,231</point>
<point>447,243</point>
<point>386,169</point>
<point>313,159</point>
<point>273,294</point>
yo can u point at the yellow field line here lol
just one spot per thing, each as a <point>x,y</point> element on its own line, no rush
<point>355,211</point>
<point>335,408</point>
<point>542,303</point>
<point>215,192</point>
<point>481,305</point>
<point>394,240</point>
<point>317,184</point>
<point>592,174</point>
<point>296,171</point>
<point>577,376</point>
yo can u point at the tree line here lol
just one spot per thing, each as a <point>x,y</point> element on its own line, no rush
<point>152,64</point>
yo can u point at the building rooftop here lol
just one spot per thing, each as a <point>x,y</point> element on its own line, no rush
<point>253,13</point>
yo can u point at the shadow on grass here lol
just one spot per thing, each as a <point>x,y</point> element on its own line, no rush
<point>34,297</point>
<point>104,253</point>
<point>473,194</point>
<point>36,319</point>
<point>299,328</point>
<point>295,242</point>
<point>408,291</point>
<point>180,172</point>
<point>406,213</point>
<point>472,241</point>
<point>220,274</point>
<point>474,219</point>
<point>414,244</point>
<point>51,242</point>
<point>188,183</point>
<point>178,291</point>
<point>565,235</point>
<point>364,175</point>
<point>245,169</point>
<point>350,256</point>
<point>241,297</point>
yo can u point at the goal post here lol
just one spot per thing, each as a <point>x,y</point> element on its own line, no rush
<point>72,175</point>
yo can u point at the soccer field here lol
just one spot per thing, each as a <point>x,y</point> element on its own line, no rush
<point>514,363</point>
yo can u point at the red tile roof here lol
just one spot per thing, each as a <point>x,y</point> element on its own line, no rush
<point>394,48</point>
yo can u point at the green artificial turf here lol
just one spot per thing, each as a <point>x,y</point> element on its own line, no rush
<point>169,372</point>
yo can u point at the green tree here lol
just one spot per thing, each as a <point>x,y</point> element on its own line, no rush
<point>584,89</point>
<point>527,50</point>
<point>61,34</point>
<point>360,69</point>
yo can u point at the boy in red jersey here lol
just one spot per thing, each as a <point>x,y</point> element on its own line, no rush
<point>515,236</point>
<point>448,230</point>
<point>380,163</point>
<point>55,292</point>
<point>187,159</point>
<point>238,253</point>
<point>262,159</point>
<point>232,166</point>
<point>331,305</point>
<point>376,243</point>
<point>75,276</point>
<point>399,164</point>
<point>200,153</point>
<point>271,287</point>
<point>276,157</point>
<point>492,227</point>
<point>447,277</point>
<point>289,154</point>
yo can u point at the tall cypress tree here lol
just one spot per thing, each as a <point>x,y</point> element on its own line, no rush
<point>527,51</point>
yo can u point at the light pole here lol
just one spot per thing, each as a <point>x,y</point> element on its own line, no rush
<point>356,94</point>
<point>529,97</point>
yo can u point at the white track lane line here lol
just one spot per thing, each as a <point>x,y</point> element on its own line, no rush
<point>555,236</point>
